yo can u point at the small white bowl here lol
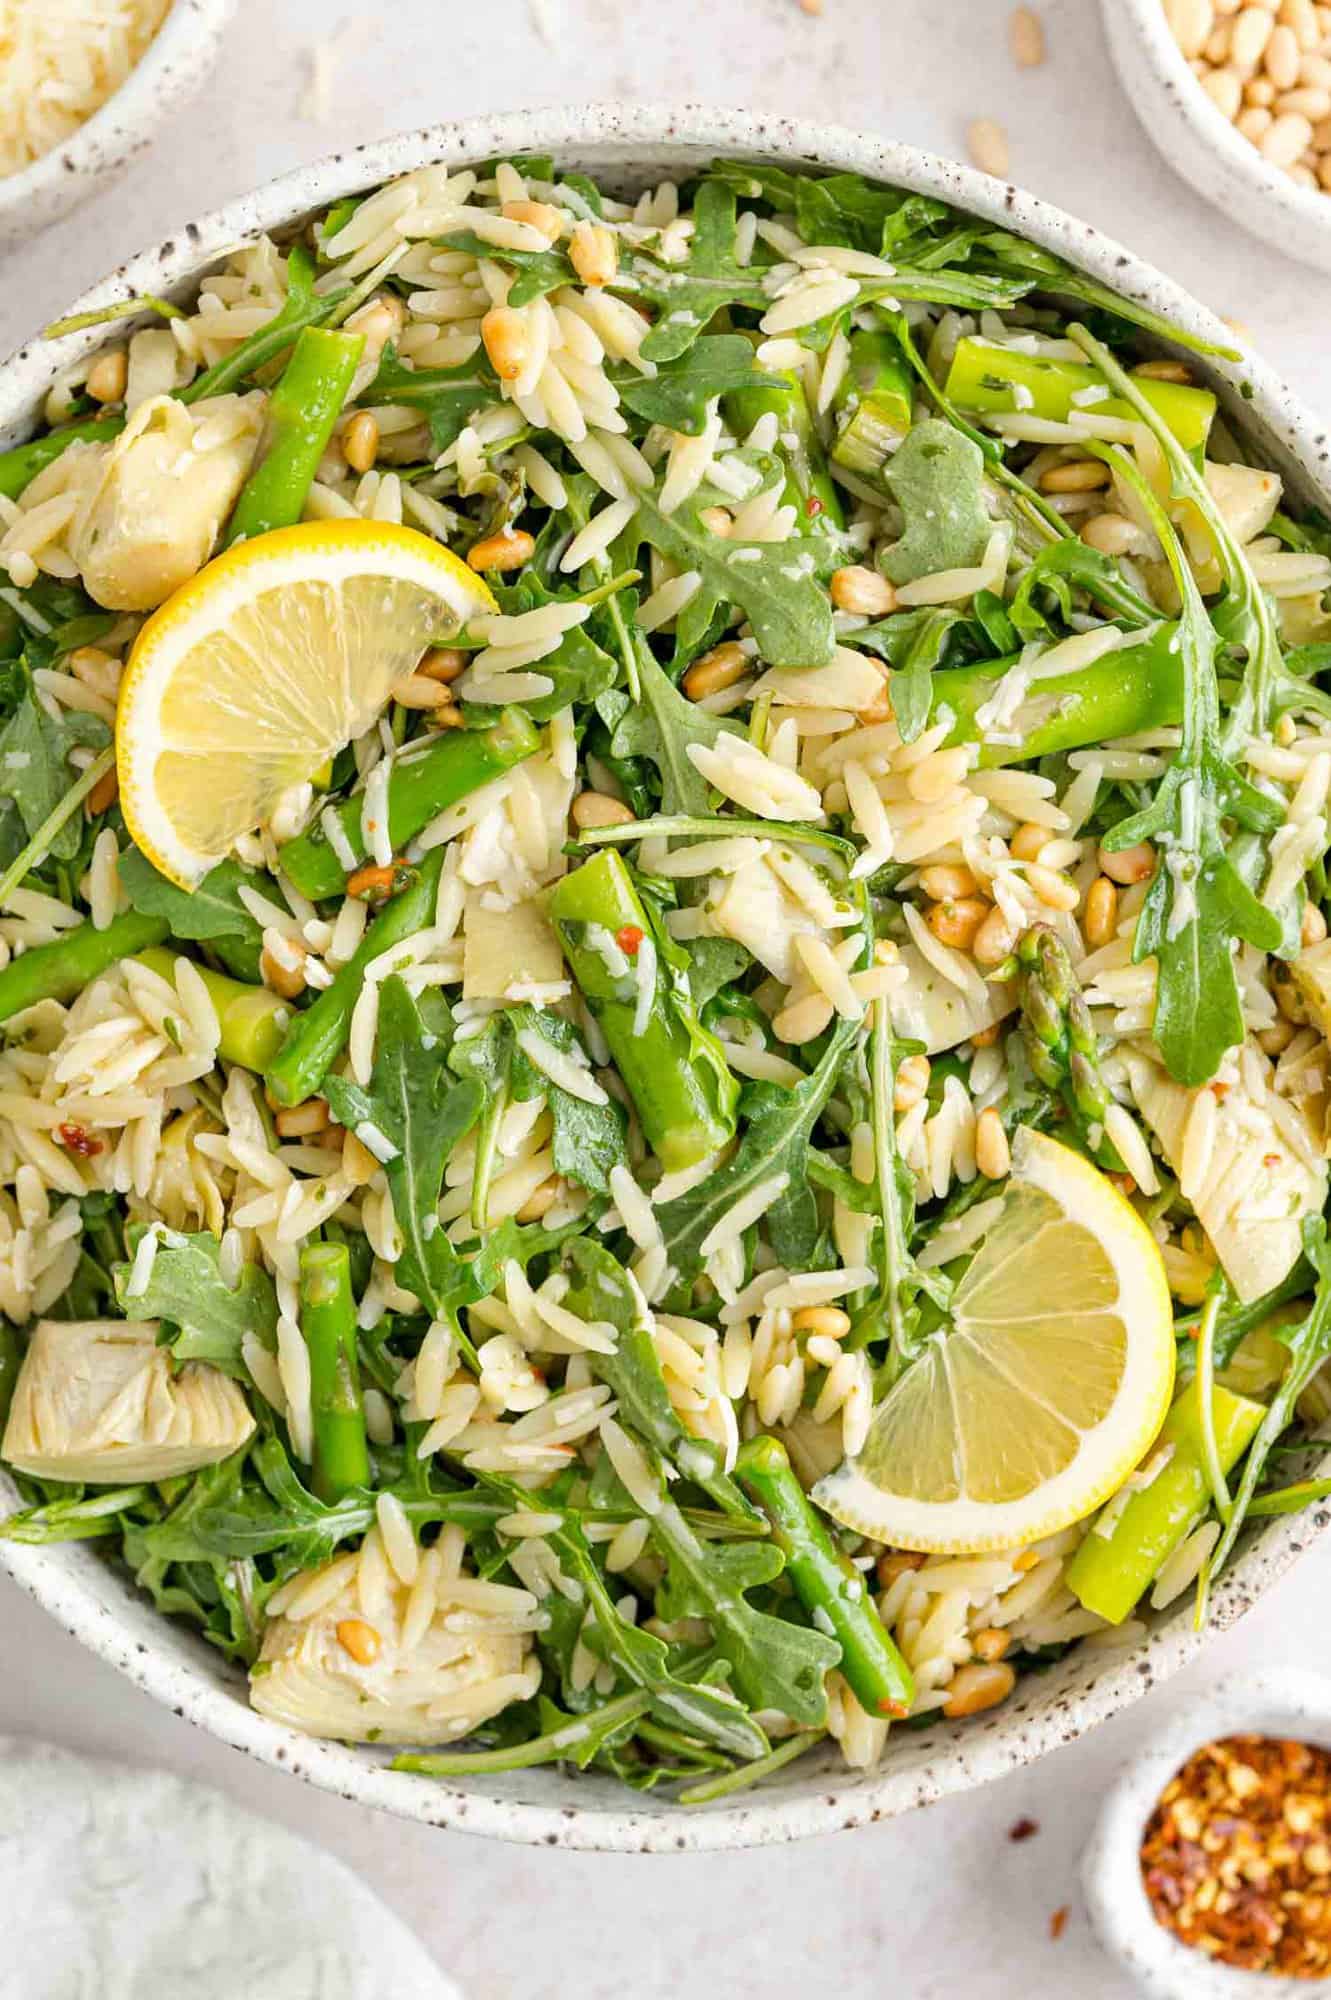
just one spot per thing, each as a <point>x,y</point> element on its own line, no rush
<point>171,69</point>
<point>1284,1702</point>
<point>1200,143</point>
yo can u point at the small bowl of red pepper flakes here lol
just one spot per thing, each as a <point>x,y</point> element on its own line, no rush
<point>1210,1871</point>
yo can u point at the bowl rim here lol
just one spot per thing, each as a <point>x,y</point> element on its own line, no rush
<point>168,70</point>
<point>1206,122</point>
<point>96,1606</point>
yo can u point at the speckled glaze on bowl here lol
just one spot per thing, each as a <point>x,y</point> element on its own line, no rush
<point>172,68</point>
<point>633,146</point>
<point>1199,142</point>
<point>1286,1701</point>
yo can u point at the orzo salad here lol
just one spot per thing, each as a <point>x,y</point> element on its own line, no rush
<point>663,989</point>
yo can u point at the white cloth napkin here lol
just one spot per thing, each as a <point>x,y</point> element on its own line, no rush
<point>133,1885</point>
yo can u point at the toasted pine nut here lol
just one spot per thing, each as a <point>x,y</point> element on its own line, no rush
<point>1111,534</point>
<point>299,1121</point>
<point>721,668</point>
<point>373,884</point>
<point>108,375</point>
<point>540,215</point>
<point>1162,371</point>
<point>987,143</point>
<point>541,1199</point>
<point>1127,865</point>
<point>422,691</point>
<point>286,980</point>
<point>1313,929</point>
<point>1217,47</point>
<point>1282,56</point>
<point>104,793</point>
<point>360,441</point>
<point>506,551</point>
<point>1288,136</point>
<point>993,1155</point>
<point>442,663</point>
<point>599,809</point>
<point>945,882</point>
<point>1259,91</point>
<point>1055,891</point>
<point>716,520</point>
<point>829,1320</point>
<point>911,1084</point>
<point>358,1162</point>
<point>895,1563</point>
<point>379,320</point>
<point>991,1644</point>
<point>593,253</point>
<point>981,1685</point>
<point>1076,475</point>
<point>504,333</point>
<point>1025,36</point>
<point>1253,121</point>
<point>994,940</point>
<point>956,923</point>
<point>1192,22</point>
<point>1225,91</point>
<point>1027,841</point>
<point>362,1641</point>
<point>861,590</point>
<point>1101,920</point>
<point>98,670</point>
<point>879,709</point>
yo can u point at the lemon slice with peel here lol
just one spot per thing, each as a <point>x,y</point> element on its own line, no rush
<point>1047,1389</point>
<point>260,668</point>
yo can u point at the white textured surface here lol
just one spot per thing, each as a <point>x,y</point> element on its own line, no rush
<point>942,1902</point>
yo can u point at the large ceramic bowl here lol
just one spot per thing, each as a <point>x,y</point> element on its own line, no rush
<point>632,147</point>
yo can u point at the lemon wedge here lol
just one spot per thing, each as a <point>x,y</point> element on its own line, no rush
<point>1047,1389</point>
<point>260,668</point>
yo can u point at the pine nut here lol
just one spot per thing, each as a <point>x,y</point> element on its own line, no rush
<point>285,980</point>
<point>1300,18</point>
<point>828,1320</point>
<point>994,940</point>
<point>300,1121</point>
<point>947,882</point>
<point>1259,90</point>
<point>1077,475</point>
<point>1225,90</point>
<point>993,1155</point>
<point>360,441</point>
<point>362,1641</point>
<point>986,1037</point>
<point>1313,928</point>
<point>716,520</point>
<point>591,809</point>
<point>1111,534</point>
<point>1025,34</point>
<point>506,551</point>
<point>1289,1000</point>
<point>1101,920</point>
<point>540,215</point>
<point>422,691</point>
<point>880,708</point>
<point>1217,46</point>
<point>987,143</point>
<point>1308,103</point>
<point>896,1563</point>
<point>721,668</point>
<point>358,1162</point>
<point>912,1082</point>
<point>991,1644</point>
<point>1192,22</point>
<point>1282,57</point>
<point>1252,31</point>
<point>1253,122</point>
<point>108,375</point>
<point>1277,1037</point>
<point>593,253</point>
<point>504,334</point>
<point>1027,841</point>
<point>1127,865</point>
<point>955,924</point>
<point>1315,71</point>
<point>1324,171</point>
<point>1163,370</point>
<point>103,794</point>
<point>862,591</point>
<point>1289,135</point>
<point>1055,891</point>
<point>442,663</point>
<point>981,1685</point>
<point>1303,177</point>
<point>541,1199</point>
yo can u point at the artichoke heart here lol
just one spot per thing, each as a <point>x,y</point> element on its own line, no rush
<point>97,1400</point>
<point>1265,1172</point>
<point>928,1009</point>
<point>381,1673</point>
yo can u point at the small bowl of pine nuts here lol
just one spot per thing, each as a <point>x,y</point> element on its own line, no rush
<point>1236,94</point>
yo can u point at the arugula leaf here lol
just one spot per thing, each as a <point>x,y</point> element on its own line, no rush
<point>213,910</point>
<point>580,669</point>
<point>680,391</point>
<point>448,397</point>
<point>775,1141</point>
<point>302,307</point>
<point>913,643</point>
<point>186,1288</point>
<point>589,1139</point>
<point>422,1111</point>
<point>688,295</point>
<point>34,766</point>
<point>714,963</point>
<point>936,477</point>
<point>1072,565</point>
<point>661,727</point>
<point>538,271</point>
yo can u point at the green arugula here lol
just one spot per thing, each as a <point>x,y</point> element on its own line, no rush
<point>936,478</point>
<point>913,643</point>
<point>34,766</point>
<point>536,271</point>
<point>679,393</point>
<point>213,910</point>
<point>588,1139</point>
<point>688,295</point>
<point>186,1288</point>
<point>580,669</point>
<point>1068,566</point>
<point>303,306</point>
<point>448,398</point>
<point>662,726</point>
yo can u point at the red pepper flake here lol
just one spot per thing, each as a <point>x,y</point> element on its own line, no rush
<point>628,937</point>
<point>896,1709</point>
<point>1023,1829</point>
<point>813,506</point>
<point>1058,1923</point>
<point>75,1140</point>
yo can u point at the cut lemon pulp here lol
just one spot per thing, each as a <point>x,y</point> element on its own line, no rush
<point>1047,1389</point>
<point>263,666</point>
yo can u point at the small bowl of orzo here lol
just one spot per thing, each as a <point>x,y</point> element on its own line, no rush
<point>82,89</point>
<point>1236,95</point>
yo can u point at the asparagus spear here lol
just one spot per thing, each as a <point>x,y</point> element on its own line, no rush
<point>985,376</point>
<point>809,487</point>
<point>1110,1571</point>
<point>252,1020</point>
<point>674,1069</point>
<point>60,970</point>
<point>302,411</point>
<point>827,1585</point>
<point>328,1323</point>
<point>1060,1040</point>
<point>21,465</point>
<point>418,789</point>
<point>872,404</point>
<point>316,1038</point>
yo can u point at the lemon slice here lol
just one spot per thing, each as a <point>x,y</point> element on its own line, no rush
<point>1046,1391</point>
<point>261,667</point>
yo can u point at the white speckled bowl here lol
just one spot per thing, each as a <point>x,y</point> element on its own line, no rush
<point>1200,143</point>
<point>1284,1702</point>
<point>633,146</point>
<point>172,68</point>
